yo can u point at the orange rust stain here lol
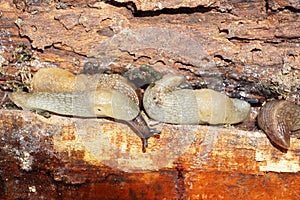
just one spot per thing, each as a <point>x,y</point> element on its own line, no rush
<point>68,133</point>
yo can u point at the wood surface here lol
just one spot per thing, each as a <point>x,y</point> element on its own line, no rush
<point>245,49</point>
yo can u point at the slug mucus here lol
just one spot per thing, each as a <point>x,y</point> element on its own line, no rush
<point>278,119</point>
<point>100,95</point>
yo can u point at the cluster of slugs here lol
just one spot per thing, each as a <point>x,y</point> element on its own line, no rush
<point>102,95</point>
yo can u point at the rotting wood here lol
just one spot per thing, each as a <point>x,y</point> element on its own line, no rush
<point>252,47</point>
<point>103,142</point>
<point>76,151</point>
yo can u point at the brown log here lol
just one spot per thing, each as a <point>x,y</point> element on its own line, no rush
<point>244,49</point>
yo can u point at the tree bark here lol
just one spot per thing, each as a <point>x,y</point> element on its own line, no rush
<point>245,49</point>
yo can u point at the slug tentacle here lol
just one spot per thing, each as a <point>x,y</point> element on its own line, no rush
<point>278,119</point>
<point>142,129</point>
<point>165,102</point>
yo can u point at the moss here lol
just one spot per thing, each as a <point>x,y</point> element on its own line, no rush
<point>21,54</point>
<point>143,75</point>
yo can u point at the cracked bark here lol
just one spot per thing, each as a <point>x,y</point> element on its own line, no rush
<point>245,49</point>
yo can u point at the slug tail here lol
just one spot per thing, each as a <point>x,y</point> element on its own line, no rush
<point>285,141</point>
<point>19,98</point>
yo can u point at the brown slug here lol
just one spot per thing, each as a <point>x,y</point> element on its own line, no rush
<point>100,95</point>
<point>277,119</point>
<point>165,102</point>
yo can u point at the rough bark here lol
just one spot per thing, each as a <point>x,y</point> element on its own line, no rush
<point>246,49</point>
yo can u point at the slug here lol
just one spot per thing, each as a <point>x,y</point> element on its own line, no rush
<point>99,95</point>
<point>59,80</point>
<point>165,101</point>
<point>99,103</point>
<point>278,119</point>
<point>53,80</point>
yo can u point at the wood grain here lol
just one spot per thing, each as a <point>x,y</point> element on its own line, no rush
<point>244,49</point>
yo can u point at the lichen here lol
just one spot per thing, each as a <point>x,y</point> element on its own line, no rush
<point>280,85</point>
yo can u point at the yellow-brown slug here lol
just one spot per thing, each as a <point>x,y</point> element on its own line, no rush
<point>99,95</point>
<point>166,102</point>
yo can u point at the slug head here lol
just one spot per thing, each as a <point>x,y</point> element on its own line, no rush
<point>169,82</point>
<point>241,110</point>
<point>111,103</point>
<point>116,105</point>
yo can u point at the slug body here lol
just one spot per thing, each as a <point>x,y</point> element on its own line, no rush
<point>59,80</point>
<point>99,95</point>
<point>99,103</point>
<point>278,119</point>
<point>165,102</point>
